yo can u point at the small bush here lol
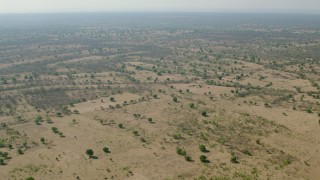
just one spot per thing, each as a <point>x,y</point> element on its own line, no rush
<point>175,99</point>
<point>136,133</point>
<point>55,130</point>
<point>120,126</point>
<point>20,151</point>
<point>247,152</point>
<point>191,105</point>
<point>234,159</point>
<point>203,148</point>
<point>1,161</point>
<point>203,159</point>
<point>204,114</point>
<point>188,158</point>
<point>309,110</point>
<point>178,150</point>
<point>106,150</point>
<point>143,140</point>
<point>89,152</point>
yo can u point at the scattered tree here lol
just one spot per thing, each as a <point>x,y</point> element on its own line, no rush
<point>175,99</point>
<point>89,152</point>
<point>106,150</point>
<point>204,113</point>
<point>191,105</point>
<point>204,159</point>
<point>203,148</point>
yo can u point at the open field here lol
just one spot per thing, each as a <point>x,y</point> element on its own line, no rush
<point>160,97</point>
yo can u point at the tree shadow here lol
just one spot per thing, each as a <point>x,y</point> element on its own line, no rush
<point>206,161</point>
<point>206,151</point>
<point>94,157</point>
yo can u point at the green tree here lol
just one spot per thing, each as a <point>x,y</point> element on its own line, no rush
<point>120,126</point>
<point>175,99</point>
<point>181,151</point>
<point>234,159</point>
<point>29,178</point>
<point>203,148</point>
<point>191,105</point>
<point>204,113</point>
<point>188,158</point>
<point>20,151</point>
<point>106,150</point>
<point>55,130</point>
<point>204,159</point>
<point>89,152</point>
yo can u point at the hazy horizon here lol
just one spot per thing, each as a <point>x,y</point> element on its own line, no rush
<point>241,6</point>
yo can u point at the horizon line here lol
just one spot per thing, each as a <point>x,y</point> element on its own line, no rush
<point>258,11</point>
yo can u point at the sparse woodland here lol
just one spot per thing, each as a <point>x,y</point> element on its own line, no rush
<point>160,99</point>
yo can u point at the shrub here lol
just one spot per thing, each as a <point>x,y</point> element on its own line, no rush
<point>234,159</point>
<point>61,134</point>
<point>120,126</point>
<point>49,120</point>
<point>136,133</point>
<point>20,151</point>
<point>29,178</point>
<point>55,130</point>
<point>177,136</point>
<point>175,99</point>
<point>181,151</point>
<point>143,140</point>
<point>178,150</point>
<point>42,140</point>
<point>59,114</point>
<point>38,120</point>
<point>204,113</point>
<point>247,152</point>
<point>309,110</point>
<point>2,144</point>
<point>150,119</point>
<point>5,155</point>
<point>203,148</point>
<point>204,159</point>
<point>1,161</point>
<point>106,150</point>
<point>188,158</point>
<point>89,152</point>
<point>191,105</point>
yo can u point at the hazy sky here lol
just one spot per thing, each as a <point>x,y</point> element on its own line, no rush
<point>13,6</point>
